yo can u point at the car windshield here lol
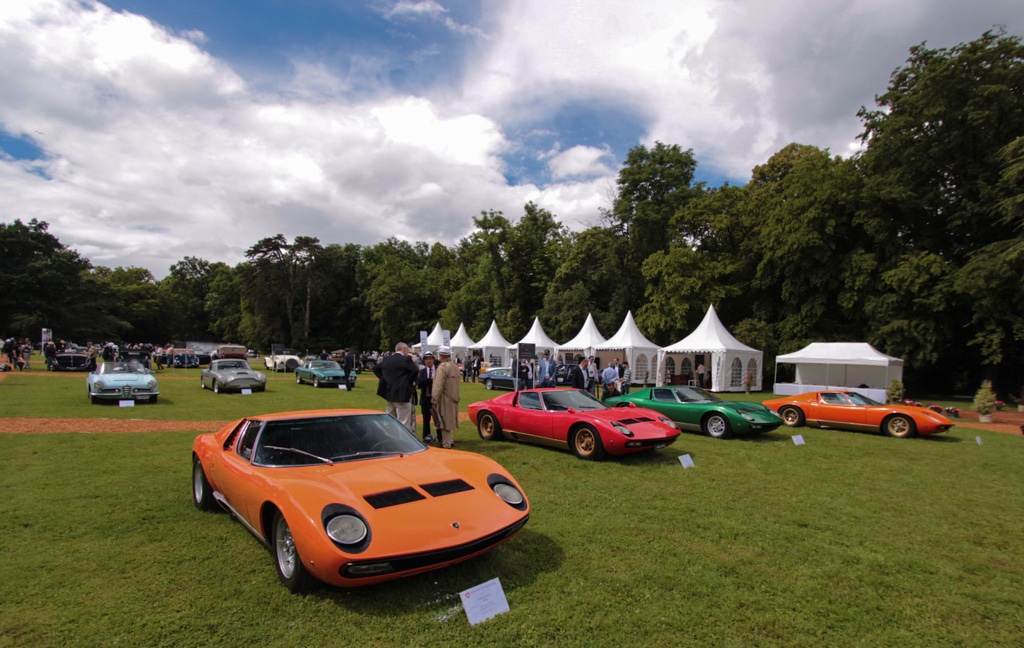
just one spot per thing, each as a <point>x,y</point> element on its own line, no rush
<point>325,364</point>
<point>694,395</point>
<point>332,439</point>
<point>230,364</point>
<point>861,399</point>
<point>560,400</point>
<point>129,367</point>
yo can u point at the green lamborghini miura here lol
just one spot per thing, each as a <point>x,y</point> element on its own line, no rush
<point>693,409</point>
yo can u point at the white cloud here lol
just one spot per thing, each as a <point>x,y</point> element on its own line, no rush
<point>581,161</point>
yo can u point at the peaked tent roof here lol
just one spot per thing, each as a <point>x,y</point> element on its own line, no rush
<point>588,337</point>
<point>852,353</point>
<point>493,338</point>
<point>627,337</point>
<point>461,339</point>
<point>435,338</point>
<point>537,337</point>
<point>709,336</point>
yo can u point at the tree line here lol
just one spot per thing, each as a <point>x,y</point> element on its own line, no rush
<point>914,244</point>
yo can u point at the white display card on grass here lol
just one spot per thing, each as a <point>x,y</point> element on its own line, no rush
<point>126,403</point>
<point>798,439</point>
<point>978,439</point>
<point>343,387</point>
<point>687,461</point>
<point>485,601</point>
<point>246,392</point>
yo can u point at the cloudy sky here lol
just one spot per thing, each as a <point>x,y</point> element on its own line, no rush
<point>144,131</point>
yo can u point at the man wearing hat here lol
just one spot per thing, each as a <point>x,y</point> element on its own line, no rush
<point>425,381</point>
<point>444,397</point>
<point>547,370</point>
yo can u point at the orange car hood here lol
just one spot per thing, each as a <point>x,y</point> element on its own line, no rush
<point>424,523</point>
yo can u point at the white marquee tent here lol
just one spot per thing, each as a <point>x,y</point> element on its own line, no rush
<point>494,347</point>
<point>434,339</point>
<point>461,342</point>
<point>827,365</point>
<point>585,341</point>
<point>538,338</point>
<point>636,349</point>
<point>730,360</point>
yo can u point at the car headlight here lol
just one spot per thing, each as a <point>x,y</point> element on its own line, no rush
<point>99,384</point>
<point>667,421</point>
<point>151,384</point>
<point>346,529</point>
<point>623,430</point>
<point>747,416</point>
<point>509,493</point>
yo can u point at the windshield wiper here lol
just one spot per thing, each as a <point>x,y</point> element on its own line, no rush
<point>301,452</point>
<point>362,454</point>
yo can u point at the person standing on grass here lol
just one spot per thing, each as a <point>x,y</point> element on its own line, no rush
<point>425,382</point>
<point>445,397</point>
<point>398,374</point>
<point>627,377</point>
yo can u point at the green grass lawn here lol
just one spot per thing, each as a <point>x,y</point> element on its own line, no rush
<point>850,540</point>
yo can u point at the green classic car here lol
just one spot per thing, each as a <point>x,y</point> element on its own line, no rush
<point>693,409</point>
<point>324,373</point>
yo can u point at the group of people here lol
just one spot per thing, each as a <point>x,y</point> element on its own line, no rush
<point>17,353</point>
<point>614,380</point>
<point>437,384</point>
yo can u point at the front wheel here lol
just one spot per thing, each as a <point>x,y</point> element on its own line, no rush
<point>488,427</point>
<point>899,426</point>
<point>290,569</point>
<point>488,384</point>
<point>202,494</point>
<point>298,379</point>
<point>792,416</point>
<point>202,383</point>
<point>316,382</point>
<point>216,387</point>
<point>717,426</point>
<point>586,443</point>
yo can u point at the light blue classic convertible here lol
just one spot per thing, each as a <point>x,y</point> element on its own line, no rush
<point>324,372</point>
<point>118,381</point>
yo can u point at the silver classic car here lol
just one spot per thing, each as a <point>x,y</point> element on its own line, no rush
<point>232,374</point>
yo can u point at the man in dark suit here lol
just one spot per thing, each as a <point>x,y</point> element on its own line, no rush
<point>425,382</point>
<point>398,372</point>
<point>578,374</point>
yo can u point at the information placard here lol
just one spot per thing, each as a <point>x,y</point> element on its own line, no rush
<point>485,601</point>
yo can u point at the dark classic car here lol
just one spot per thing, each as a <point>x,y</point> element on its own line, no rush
<point>71,362</point>
<point>321,373</point>
<point>696,410</point>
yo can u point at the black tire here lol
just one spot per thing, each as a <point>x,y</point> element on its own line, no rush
<point>290,570</point>
<point>316,382</point>
<point>586,443</point>
<point>153,399</point>
<point>899,426</point>
<point>792,416</point>
<point>488,384</point>
<point>716,426</point>
<point>488,428</point>
<point>298,378</point>
<point>202,494</point>
<point>291,365</point>
<point>94,400</point>
<point>216,386</point>
<point>202,383</point>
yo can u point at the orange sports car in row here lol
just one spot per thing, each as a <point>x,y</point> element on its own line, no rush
<point>850,410</point>
<point>351,497</point>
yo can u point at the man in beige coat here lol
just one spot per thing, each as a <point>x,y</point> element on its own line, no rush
<point>445,396</point>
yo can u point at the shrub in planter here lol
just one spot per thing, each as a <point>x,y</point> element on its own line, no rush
<point>985,399</point>
<point>895,391</point>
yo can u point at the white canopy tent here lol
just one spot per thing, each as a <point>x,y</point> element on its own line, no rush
<point>461,342</point>
<point>494,347</point>
<point>730,360</point>
<point>585,341</point>
<point>827,365</point>
<point>434,339</point>
<point>537,337</point>
<point>636,349</point>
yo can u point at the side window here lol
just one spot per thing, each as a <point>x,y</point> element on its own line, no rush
<point>529,400</point>
<point>664,395</point>
<point>832,399</point>
<point>247,440</point>
<point>230,441</point>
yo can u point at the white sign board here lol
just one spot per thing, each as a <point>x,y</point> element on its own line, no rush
<point>687,461</point>
<point>485,601</point>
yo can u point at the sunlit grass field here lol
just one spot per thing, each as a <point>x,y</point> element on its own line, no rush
<point>849,540</point>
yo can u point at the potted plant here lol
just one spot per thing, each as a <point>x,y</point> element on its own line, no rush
<point>895,391</point>
<point>985,402</point>
<point>748,380</point>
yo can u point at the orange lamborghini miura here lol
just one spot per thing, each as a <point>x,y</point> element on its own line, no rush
<point>850,410</point>
<point>351,497</point>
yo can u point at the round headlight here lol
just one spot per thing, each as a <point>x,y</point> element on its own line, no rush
<point>99,384</point>
<point>509,493</point>
<point>346,529</point>
<point>152,384</point>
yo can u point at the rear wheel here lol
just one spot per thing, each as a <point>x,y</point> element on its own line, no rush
<point>202,494</point>
<point>586,443</point>
<point>290,569</point>
<point>899,426</point>
<point>717,426</point>
<point>792,416</point>
<point>488,384</point>
<point>488,427</point>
